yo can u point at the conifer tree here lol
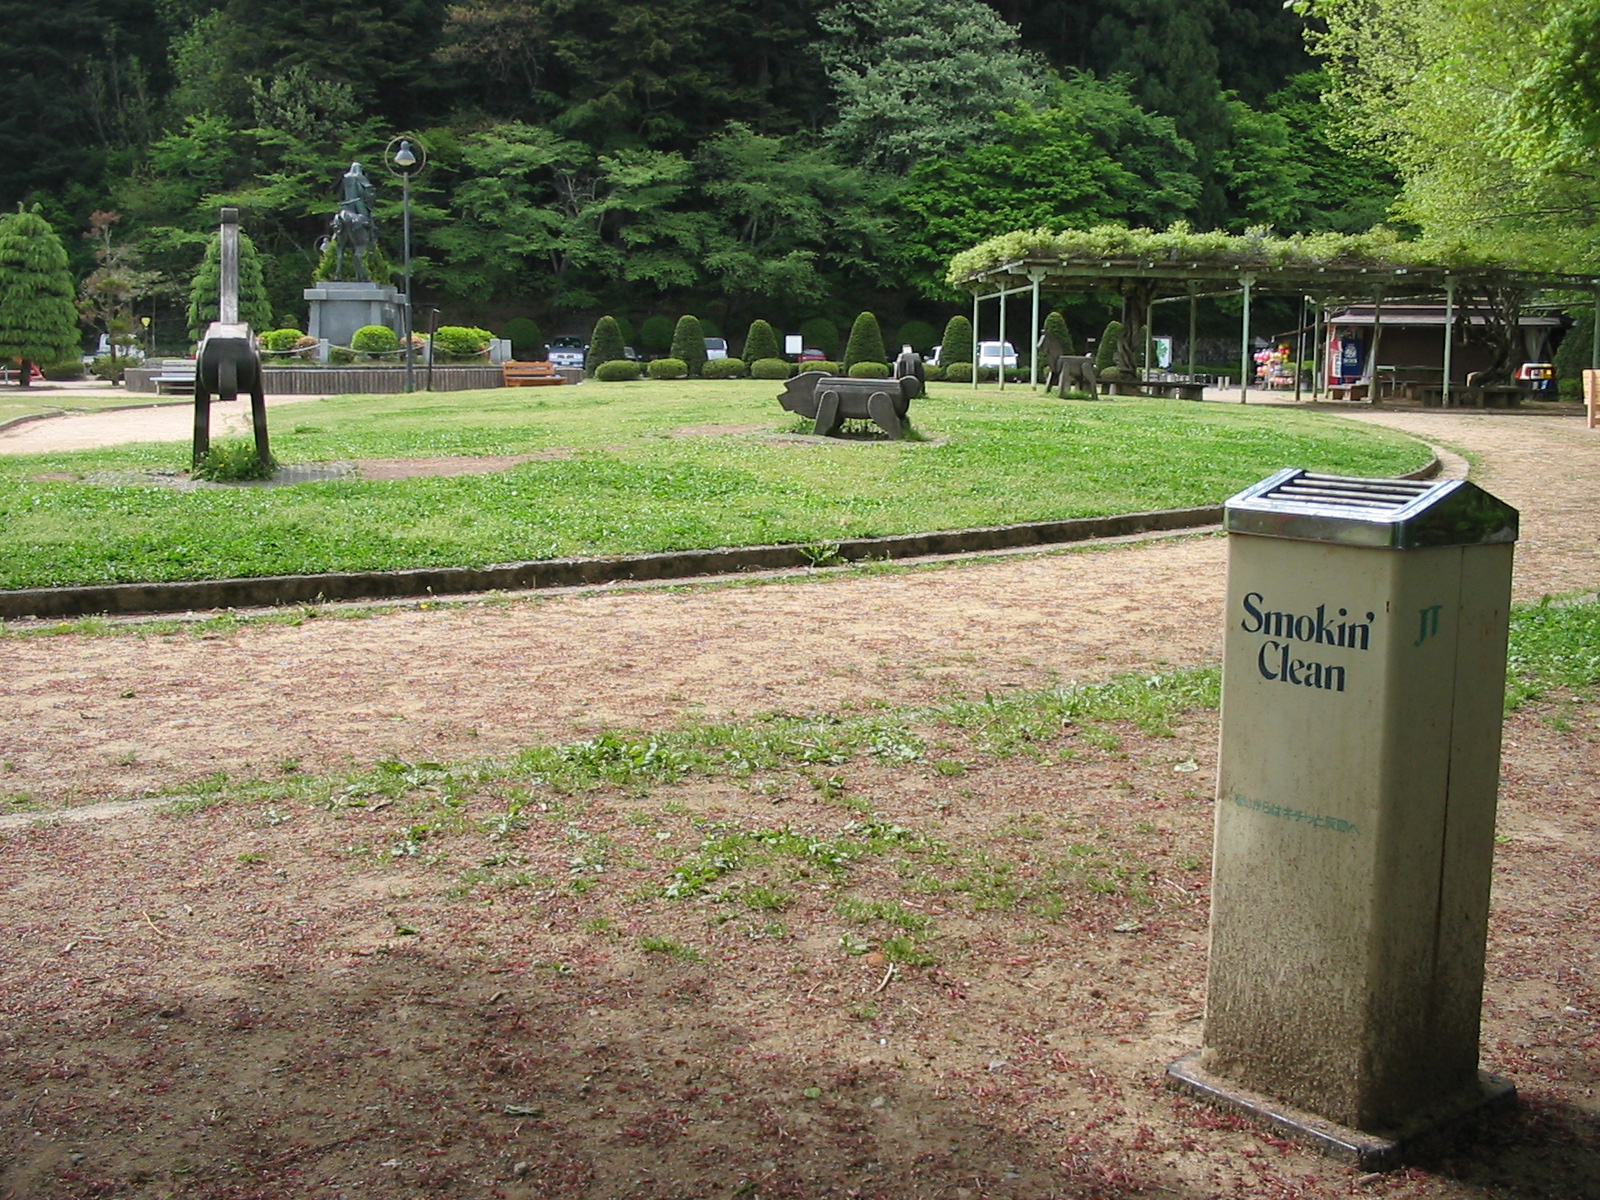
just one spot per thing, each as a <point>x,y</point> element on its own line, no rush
<point>205,293</point>
<point>605,344</point>
<point>957,343</point>
<point>689,344</point>
<point>866,342</point>
<point>1056,324</point>
<point>38,319</point>
<point>1105,354</point>
<point>761,342</point>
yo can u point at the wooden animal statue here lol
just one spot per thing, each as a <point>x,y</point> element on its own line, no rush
<point>909,366</point>
<point>1074,373</point>
<point>830,400</point>
<point>1050,351</point>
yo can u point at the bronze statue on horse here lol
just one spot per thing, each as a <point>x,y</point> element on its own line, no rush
<point>353,227</point>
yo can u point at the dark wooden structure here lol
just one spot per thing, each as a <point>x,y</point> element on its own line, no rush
<point>831,400</point>
<point>228,361</point>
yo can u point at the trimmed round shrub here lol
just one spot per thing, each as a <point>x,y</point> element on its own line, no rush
<point>67,369</point>
<point>655,335</point>
<point>1572,356</point>
<point>1055,323</point>
<point>821,334</point>
<point>932,372</point>
<point>761,342</point>
<point>526,338</point>
<point>616,370</point>
<point>669,368</point>
<point>822,368</point>
<point>280,341</point>
<point>374,340</point>
<point>689,343</point>
<point>869,370</point>
<point>724,368</point>
<point>771,368</point>
<point>625,328</point>
<point>957,343</point>
<point>958,372</point>
<point>1105,354</point>
<point>605,344</point>
<point>341,356</point>
<point>453,342</point>
<point>919,335</point>
<point>866,341</point>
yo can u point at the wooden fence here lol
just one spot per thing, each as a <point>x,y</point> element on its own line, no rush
<point>338,381</point>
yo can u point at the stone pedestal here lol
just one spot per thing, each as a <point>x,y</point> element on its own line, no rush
<point>338,309</point>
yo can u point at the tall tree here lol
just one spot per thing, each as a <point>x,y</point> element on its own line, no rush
<point>76,92</point>
<point>38,320</point>
<point>1440,88</point>
<point>920,78</point>
<point>1091,155</point>
<point>205,292</point>
<point>790,221</point>
<point>381,50</point>
<point>109,294</point>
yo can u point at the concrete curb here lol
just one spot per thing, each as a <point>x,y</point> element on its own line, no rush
<point>267,591</point>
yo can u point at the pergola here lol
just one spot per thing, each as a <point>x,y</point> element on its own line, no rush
<point>1173,277</point>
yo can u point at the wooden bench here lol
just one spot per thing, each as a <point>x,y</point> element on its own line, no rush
<point>1494,396</point>
<point>1178,391</point>
<point>175,376</point>
<point>530,374</point>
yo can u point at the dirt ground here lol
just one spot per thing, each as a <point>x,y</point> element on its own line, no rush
<point>282,998</point>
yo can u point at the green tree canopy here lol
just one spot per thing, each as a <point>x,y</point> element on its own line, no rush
<point>1091,155</point>
<point>38,320</point>
<point>1451,92</point>
<point>916,79</point>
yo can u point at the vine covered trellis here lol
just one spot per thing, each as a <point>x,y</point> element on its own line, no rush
<point>1144,265</point>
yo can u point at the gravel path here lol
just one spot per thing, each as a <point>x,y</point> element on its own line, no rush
<point>87,718</point>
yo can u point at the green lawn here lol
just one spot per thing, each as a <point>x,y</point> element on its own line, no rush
<point>644,467</point>
<point>34,401</point>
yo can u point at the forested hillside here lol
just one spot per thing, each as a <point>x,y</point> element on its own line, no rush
<point>731,157</point>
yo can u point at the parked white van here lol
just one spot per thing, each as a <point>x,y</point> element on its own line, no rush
<point>991,354</point>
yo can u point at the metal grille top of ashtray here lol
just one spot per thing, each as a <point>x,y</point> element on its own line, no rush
<point>1384,513</point>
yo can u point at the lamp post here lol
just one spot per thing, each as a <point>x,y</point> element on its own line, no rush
<point>405,156</point>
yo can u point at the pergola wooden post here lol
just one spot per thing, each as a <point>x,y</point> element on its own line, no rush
<point>1449,336</point>
<point>1244,342</point>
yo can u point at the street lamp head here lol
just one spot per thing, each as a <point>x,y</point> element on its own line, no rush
<point>404,158</point>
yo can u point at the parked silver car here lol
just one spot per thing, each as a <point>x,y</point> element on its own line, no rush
<point>568,351</point>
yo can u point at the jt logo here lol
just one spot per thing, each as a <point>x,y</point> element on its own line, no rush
<point>1430,623</point>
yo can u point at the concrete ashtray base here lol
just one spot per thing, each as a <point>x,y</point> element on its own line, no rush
<point>1363,1150</point>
